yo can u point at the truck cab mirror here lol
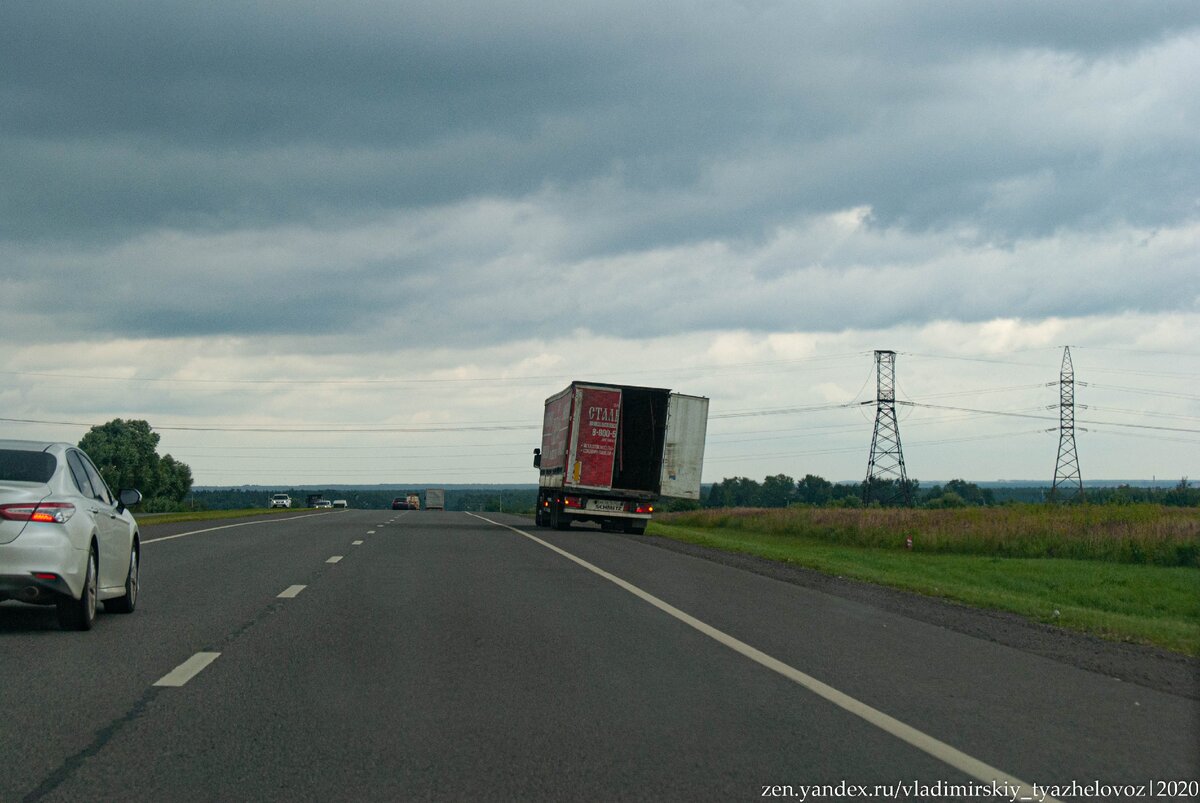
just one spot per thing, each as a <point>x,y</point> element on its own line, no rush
<point>537,458</point>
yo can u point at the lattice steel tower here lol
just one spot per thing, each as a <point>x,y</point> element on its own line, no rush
<point>887,458</point>
<point>1066,470</point>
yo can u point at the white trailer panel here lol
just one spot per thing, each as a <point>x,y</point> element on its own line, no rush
<point>683,450</point>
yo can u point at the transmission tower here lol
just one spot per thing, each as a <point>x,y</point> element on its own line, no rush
<point>887,459</point>
<point>1067,478</point>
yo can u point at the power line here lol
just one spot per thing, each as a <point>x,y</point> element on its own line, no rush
<point>533,378</point>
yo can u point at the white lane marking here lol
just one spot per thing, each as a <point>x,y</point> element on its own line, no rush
<point>906,733</point>
<point>228,526</point>
<point>291,592</point>
<point>370,532</point>
<point>335,559</point>
<point>355,543</point>
<point>187,670</point>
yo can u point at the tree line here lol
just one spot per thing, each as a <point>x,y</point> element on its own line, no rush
<point>509,500</point>
<point>782,490</point>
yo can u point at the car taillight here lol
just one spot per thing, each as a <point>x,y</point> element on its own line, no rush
<point>49,512</point>
<point>644,509</point>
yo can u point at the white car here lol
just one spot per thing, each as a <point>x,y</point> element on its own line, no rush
<point>320,503</point>
<point>340,503</point>
<point>65,540</point>
<point>279,500</point>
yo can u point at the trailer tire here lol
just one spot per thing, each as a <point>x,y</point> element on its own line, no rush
<point>636,527</point>
<point>558,519</point>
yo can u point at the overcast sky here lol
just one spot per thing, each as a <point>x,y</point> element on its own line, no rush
<point>318,215</point>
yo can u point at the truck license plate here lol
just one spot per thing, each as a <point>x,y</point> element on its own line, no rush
<point>606,504</point>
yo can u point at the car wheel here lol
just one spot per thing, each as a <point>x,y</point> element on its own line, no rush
<point>80,614</point>
<point>127,603</point>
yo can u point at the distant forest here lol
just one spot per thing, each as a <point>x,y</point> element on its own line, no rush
<point>779,490</point>
<point>480,499</point>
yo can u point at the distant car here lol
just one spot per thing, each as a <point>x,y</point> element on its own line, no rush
<point>65,540</point>
<point>340,503</point>
<point>279,500</point>
<point>400,503</point>
<point>322,503</point>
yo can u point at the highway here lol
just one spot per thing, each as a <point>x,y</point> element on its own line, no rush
<point>443,655</point>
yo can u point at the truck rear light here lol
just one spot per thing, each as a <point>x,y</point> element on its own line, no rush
<point>644,509</point>
<point>572,501</point>
<point>49,512</point>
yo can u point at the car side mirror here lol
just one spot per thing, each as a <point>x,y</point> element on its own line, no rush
<point>128,497</point>
<point>537,458</point>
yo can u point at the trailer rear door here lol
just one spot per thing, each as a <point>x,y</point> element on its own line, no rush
<point>594,437</point>
<point>683,452</point>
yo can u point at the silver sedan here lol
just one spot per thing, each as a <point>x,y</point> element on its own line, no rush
<point>65,540</point>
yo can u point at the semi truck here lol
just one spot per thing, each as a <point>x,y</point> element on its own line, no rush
<point>610,452</point>
<point>435,499</point>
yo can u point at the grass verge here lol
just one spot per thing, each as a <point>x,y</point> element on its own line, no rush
<point>1157,605</point>
<point>208,515</point>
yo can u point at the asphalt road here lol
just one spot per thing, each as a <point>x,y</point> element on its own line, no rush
<point>448,656</point>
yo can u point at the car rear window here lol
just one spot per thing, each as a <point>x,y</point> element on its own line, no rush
<point>21,466</point>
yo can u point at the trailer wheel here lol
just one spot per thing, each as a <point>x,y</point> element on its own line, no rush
<point>558,519</point>
<point>636,527</point>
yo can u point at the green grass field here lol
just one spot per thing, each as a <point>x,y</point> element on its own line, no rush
<point>1131,601</point>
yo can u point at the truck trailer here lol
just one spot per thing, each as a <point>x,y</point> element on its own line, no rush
<point>435,499</point>
<point>610,452</point>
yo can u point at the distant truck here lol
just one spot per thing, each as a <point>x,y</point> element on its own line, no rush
<point>610,452</point>
<point>435,499</point>
<point>414,502</point>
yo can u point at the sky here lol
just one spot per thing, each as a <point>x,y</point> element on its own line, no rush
<point>360,242</point>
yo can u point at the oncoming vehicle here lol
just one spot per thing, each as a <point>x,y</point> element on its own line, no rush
<point>322,503</point>
<point>65,540</point>
<point>280,500</point>
<point>340,503</point>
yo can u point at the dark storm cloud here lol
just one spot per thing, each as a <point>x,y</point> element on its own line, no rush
<point>138,139</point>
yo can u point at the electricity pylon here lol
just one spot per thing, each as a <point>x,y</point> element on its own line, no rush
<point>1066,469</point>
<point>887,458</point>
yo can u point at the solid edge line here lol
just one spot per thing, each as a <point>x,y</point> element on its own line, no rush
<point>943,752</point>
<point>291,592</point>
<point>187,670</point>
<point>228,526</point>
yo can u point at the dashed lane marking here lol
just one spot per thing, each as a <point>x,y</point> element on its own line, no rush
<point>291,592</point>
<point>335,559</point>
<point>187,670</point>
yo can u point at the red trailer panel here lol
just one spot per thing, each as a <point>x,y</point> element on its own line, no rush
<point>594,443</point>
<point>556,426</point>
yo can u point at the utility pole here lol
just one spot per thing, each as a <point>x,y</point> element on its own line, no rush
<point>1066,468</point>
<point>887,458</point>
